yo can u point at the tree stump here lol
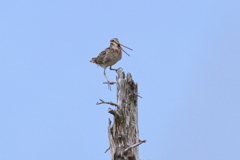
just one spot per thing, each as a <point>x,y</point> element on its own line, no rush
<point>123,134</point>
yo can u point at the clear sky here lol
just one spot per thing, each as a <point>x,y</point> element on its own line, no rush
<point>185,58</point>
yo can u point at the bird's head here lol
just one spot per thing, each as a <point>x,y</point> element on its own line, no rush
<point>114,42</point>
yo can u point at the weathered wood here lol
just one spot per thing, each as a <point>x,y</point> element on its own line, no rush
<point>123,134</point>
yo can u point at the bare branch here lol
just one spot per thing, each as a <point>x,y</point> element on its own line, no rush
<point>103,102</point>
<point>135,145</point>
<point>107,150</point>
<point>137,94</point>
<point>111,83</point>
<point>113,112</point>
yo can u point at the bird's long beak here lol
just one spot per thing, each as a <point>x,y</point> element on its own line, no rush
<point>125,47</point>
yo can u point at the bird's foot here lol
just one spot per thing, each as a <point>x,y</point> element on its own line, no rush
<point>120,68</point>
<point>109,84</point>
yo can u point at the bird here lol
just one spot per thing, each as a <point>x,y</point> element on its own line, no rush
<point>110,56</point>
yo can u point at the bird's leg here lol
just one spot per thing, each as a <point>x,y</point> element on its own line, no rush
<point>113,69</point>
<point>108,82</point>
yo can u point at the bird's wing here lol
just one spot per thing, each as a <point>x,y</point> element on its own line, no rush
<point>108,56</point>
<point>100,58</point>
<point>105,56</point>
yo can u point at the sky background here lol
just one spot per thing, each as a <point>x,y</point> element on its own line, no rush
<point>185,58</point>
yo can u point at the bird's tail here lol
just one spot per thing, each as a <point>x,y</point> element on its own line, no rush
<point>93,60</point>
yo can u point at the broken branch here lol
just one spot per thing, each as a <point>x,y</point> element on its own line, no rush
<point>107,150</point>
<point>103,102</point>
<point>135,145</point>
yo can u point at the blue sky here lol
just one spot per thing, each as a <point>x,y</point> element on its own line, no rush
<point>185,58</point>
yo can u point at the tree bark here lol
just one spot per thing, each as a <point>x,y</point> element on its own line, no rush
<point>123,134</point>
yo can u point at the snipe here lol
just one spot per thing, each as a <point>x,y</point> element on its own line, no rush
<point>109,57</point>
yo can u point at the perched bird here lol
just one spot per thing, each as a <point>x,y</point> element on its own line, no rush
<point>110,56</point>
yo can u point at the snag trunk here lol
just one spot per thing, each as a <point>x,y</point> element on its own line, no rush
<point>123,134</point>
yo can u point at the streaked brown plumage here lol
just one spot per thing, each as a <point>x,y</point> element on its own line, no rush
<point>110,56</point>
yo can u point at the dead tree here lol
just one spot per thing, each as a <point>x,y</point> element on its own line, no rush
<point>123,134</point>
